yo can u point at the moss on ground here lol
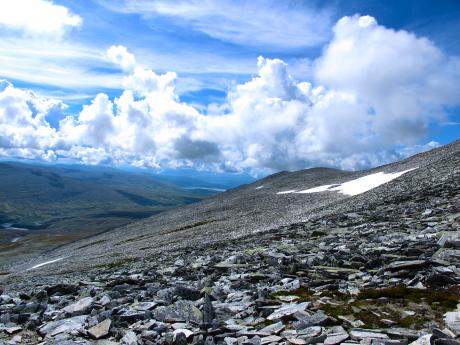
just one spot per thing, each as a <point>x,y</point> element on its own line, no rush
<point>120,263</point>
<point>303,294</point>
<point>374,307</point>
<point>443,299</point>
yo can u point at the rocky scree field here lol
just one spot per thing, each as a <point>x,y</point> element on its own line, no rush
<point>266,263</point>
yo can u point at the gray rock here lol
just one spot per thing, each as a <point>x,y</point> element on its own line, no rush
<point>446,341</point>
<point>288,310</point>
<point>297,341</point>
<point>358,334</point>
<point>389,341</point>
<point>310,332</point>
<point>101,329</point>
<point>275,328</point>
<point>82,306</point>
<point>104,300</point>
<point>317,319</point>
<point>208,310</point>
<point>130,338</point>
<point>402,265</point>
<point>423,340</point>
<point>336,336</point>
<point>270,339</point>
<point>403,332</point>
<point>180,310</point>
<point>64,325</point>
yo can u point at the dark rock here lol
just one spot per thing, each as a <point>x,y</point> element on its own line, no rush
<point>180,339</point>
<point>187,293</point>
<point>62,289</point>
<point>438,333</point>
<point>41,295</point>
<point>24,296</point>
<point>208,311</point>
<point>446,341</point>
<point>403,265</point>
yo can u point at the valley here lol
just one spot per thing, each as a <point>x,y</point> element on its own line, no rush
<point>42,207</point>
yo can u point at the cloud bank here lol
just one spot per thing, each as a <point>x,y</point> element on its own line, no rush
<point>373,94</point>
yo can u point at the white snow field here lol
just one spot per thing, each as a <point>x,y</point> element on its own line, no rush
<point>353,187</point>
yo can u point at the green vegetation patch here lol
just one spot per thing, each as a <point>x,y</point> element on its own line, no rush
<point>91,244</point>
<point>303,294</point>
<point>445,299</point>
<point>376,308</point>
<point>194,225</point>
<point>120,263</point>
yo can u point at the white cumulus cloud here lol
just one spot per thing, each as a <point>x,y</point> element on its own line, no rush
<point>403,80</point>
<point>24,130</point>
<point>120,56</point>
<point>37,17</point>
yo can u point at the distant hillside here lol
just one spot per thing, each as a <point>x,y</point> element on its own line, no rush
<point>57,204</point>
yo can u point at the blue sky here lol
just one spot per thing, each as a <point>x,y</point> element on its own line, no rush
<point>213,47</point>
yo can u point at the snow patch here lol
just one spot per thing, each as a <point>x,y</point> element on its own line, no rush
<point>45,263</point>
<point>260,187</point>
<point>357,186</point>
<point>318,189</point>
<point>287,191</point>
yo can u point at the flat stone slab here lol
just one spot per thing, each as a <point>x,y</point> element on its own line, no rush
<point>358,334</point>
<point>80,306</point>
<point>64,325</point>
<point>402,265</point>
<point>101,329</point>
<point>317,319</point>
<point>288,310</point>
<point>270,339</point>
<point>335,338</point>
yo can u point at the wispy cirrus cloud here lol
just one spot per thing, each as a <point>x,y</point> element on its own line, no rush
<point>46,52</point>
<point>61,64</point>
<point>273,25</point>
<point>35,48</point>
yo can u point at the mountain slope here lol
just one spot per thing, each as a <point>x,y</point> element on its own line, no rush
<point>261,264</point>
<point>249,209</point>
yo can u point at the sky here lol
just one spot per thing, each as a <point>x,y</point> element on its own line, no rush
<point>228,86</point>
